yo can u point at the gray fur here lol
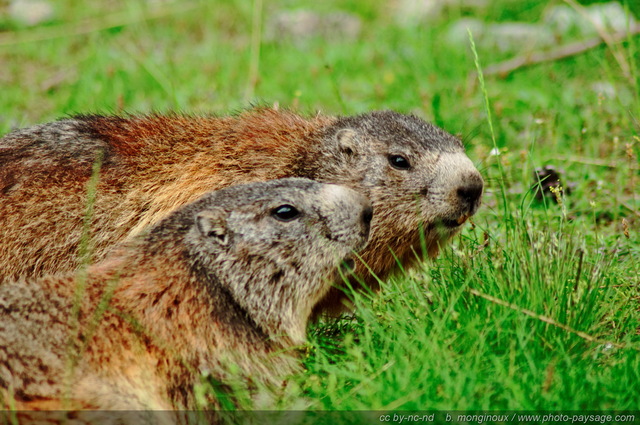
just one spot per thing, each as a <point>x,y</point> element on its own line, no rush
<point>201,302</point>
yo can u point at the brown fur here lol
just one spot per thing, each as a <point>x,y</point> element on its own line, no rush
<point>218,284</point>
<point>154,164</point>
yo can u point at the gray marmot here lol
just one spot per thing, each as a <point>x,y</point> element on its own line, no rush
<point>226,281</point>
<point>415,174</point>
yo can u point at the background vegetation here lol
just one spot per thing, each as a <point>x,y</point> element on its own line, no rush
<point>534,306</point>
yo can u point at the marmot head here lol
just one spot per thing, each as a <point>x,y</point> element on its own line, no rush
<point>416,175</point>
<point>274,246</point>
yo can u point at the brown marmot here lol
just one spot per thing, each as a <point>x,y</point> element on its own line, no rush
<point>226,281</point>
<point>416,175</point>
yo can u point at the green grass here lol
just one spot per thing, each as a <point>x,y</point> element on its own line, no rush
<point>535,306</point>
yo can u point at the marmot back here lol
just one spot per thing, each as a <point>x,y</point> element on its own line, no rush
<point>416,175</point>
<point>227,281</point>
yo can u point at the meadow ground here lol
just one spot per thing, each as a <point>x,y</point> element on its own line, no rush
<point>534,306</point>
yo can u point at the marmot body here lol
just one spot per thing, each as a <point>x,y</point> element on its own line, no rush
<point>416,175</point>
<point>229,280</point>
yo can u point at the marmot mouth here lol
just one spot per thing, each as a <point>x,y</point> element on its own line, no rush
<point>450,223</point>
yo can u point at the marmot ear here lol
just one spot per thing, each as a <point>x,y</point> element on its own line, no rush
<point>213,224</point>
<point>347,140</point>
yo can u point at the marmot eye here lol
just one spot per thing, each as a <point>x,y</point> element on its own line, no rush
<point>399,162</point>
<point>285,213</point>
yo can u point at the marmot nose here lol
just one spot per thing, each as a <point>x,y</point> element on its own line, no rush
<point>367,215</point>
<point>470,194</point>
